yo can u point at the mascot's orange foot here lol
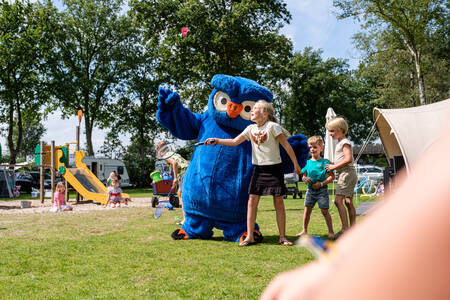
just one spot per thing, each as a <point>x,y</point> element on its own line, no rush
<point>256,234</point>
<point>179,234</point>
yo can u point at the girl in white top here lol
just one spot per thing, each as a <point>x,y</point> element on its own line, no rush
<point>345,171</point>
<point>267,179</point>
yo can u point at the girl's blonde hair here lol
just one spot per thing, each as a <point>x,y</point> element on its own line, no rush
<point>337,123</point>
<point>60,185</point>
<point>268,108</point>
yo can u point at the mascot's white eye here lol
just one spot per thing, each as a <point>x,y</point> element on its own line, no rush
<point>246,109</point>
<point>220,101</point>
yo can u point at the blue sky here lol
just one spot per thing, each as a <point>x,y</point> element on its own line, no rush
<point>313,25</point>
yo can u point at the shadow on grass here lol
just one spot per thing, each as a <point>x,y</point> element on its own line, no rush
<point>217,238</point>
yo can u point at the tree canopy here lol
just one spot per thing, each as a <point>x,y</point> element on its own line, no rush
<point>239,38</point>
<point>109,60</point>
<point>311,85</point>
<point>24,45</point>
<point>91,38</point>
<point>403,30</point>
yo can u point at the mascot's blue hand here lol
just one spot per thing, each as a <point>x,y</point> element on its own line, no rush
<point>299,144</point>
<point>167,99</point>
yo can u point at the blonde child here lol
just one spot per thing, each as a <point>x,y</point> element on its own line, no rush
<point>112,176</point>
<point>114,193</point>
<point>317,178</point>
<point>59,201</point>
<point>400,246</point>
<point>267,179</point>
<point>345,171</point>
<point>179,166</point>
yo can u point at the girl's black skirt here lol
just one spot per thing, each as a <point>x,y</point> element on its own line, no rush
<point>267,180</point>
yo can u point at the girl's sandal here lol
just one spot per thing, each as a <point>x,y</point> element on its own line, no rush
<point>285,243</point>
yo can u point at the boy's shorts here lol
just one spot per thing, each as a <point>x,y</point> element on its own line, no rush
<point>320,196</point>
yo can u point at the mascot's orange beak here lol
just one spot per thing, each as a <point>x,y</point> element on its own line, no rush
<point>233,109</point>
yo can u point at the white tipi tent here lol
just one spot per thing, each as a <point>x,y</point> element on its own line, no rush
<point>410,131</point>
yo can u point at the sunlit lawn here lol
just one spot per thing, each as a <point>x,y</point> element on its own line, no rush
<point>127,254</point>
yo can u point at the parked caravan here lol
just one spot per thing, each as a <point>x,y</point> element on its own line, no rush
<point>102,167</point>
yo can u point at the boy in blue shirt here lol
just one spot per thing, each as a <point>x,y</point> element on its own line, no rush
<point>317,178</point>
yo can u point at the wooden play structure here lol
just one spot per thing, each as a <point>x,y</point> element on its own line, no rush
<point>56,158</point>
<point>80,177</point>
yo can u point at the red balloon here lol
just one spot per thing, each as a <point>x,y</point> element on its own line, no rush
<point>184,31</point>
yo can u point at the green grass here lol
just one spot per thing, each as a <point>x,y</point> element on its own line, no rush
<point>127,254</point>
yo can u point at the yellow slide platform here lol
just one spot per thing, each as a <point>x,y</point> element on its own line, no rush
<point>84,181</point>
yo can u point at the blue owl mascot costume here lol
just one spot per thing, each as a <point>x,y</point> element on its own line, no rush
<point>215,185</point>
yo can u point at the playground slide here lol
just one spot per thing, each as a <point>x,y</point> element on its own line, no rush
<point>84,181</point>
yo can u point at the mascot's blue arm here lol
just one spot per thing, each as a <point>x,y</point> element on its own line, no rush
<point>179,120</point>
<point>300,146</point>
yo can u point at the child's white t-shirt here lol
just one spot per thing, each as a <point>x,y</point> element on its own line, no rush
<point>265,148</point>
<point>339,152</point>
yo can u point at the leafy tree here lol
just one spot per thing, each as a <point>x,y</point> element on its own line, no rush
<point>391,72</point>
<point>33,130</point>
<point>311,85</point>
<point>91,38</point>
<point>408,24</point>
<point>239,38</point>
<point>139,171</point>
<point>112,146</point>
<point>135,110</point>
<point>23,43</point>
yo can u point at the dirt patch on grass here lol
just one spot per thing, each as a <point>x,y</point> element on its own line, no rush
<point>14,206</point>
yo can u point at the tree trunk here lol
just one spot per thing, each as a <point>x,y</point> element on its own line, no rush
<point>141,145</point>
<point>416,55</point>
<point>145,102</point>
<point>142,156</point>
<point>88,128</point>
<point>411,80</point>
<point>420,81</point>
<point>12,153</point>
<point>421,89</point>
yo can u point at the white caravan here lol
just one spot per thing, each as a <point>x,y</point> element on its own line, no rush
<point>102,167</point>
